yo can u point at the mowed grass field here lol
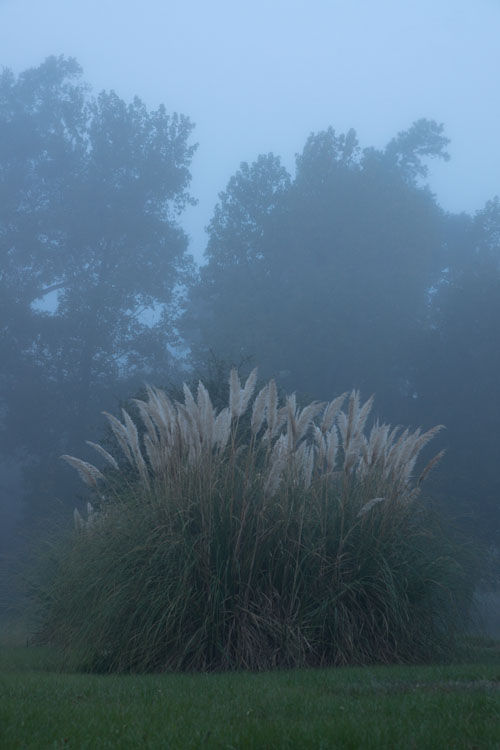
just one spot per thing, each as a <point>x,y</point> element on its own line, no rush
<point>442,707</point>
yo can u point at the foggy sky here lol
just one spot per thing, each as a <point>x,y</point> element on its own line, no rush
<point>259,77</point>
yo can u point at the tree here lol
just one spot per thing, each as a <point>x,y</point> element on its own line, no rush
<point>220,303</point>
<point>90,193</point>
<point>406,152</point>
<point>329,278</point>
<point>350,275</point>
<point>456,369</point>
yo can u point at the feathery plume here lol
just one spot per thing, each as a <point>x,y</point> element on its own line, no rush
<point>259,410</point>
<point>234,393</point>
<point>332,442</point>
<point>162,413</point>
<point>331,412</point>
<point>272,410</point>
<point>104,453</point>
<point>352,416</point>
<point>121,436</point>
<point>363,414</point>
<point>144,413</point>
<point>343,425</point>
<point>426,437</point>
<point>276,466</point>
<point>432,463</point>
<point>89,473</point>
<point>133,441</point>
<point>306,417</point>
<point>353,452</point>
<point>377,442</point>
<point>187,428</point>
<point>189,402</point>
<point>247,392</point>
<point>299,441</point>
<point>320,442</point>
<point>222,429</point>
<point>291,430</point>
<point>206,416</point>
<point>153,452</point>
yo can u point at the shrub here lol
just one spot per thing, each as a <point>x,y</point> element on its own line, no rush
<point>254,538</point>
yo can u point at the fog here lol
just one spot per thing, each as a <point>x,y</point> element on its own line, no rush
<point>260,77</point>
<point>323,207</point>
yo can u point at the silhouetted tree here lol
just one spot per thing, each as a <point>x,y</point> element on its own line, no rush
<point>456,370</point>
<point>227,305</point>
<point>350,275</point>
<point>90,191</point>
<point>327,274</point>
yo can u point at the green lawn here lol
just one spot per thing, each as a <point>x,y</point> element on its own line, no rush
<point>440,707</point>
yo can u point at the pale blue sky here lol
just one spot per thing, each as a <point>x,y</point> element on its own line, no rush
<point>260,76</point>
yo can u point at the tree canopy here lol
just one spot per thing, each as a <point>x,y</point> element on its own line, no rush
<point>91,189</point>
<point>323,275</point>
<point>349,274</point>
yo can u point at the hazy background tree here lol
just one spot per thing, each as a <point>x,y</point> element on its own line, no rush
<point>228,305</point>
<point>327,273</point>
<point>349,274</point>
<point>456,370</point>
<point>90,193</point>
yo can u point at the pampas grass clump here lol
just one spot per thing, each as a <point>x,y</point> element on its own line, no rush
<point>261,536</point>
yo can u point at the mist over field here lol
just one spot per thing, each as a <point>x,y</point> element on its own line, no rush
<point>306,188</point>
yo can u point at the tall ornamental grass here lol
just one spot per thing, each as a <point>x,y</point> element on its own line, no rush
<point>261,536</point>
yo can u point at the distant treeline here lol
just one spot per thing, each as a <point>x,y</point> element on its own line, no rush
<point>345,274</point>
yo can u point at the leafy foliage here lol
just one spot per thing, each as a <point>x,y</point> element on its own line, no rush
<point>327,279</point>
<point>90,192</point>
